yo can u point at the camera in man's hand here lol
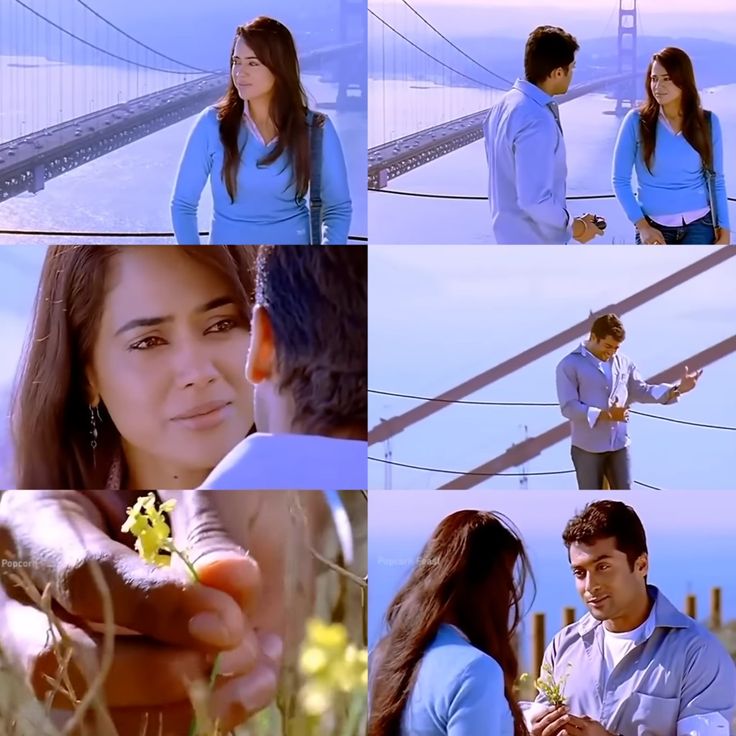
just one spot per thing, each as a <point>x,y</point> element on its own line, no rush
<point>599,222</point>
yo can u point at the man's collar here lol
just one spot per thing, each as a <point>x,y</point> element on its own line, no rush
<point>665,615</point>
<point>535,93</point>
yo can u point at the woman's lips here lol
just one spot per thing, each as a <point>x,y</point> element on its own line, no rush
<point>206,416</point>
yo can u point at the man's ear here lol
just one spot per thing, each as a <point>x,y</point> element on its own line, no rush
<point>261,362</point>
<point>642,564</point>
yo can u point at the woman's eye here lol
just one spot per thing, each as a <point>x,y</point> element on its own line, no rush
<point>224,325</point>
<point>146,343</point>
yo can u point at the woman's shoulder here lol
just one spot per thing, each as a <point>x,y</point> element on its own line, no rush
<point>314,117</point>
<point>210,115</point>
<point>451,648</point>
<point>632,117</point>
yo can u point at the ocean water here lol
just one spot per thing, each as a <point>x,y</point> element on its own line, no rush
<point>690,540</point>
<point>590,134</point>
<point>440,315</point>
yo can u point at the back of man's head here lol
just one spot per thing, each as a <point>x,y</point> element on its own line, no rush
<point>316,299</point>
<point>548,48</point>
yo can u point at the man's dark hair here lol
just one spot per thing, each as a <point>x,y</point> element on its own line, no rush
<point>316,298</point>
<point>603,519</point>
<point>547,48</point>
<point>608,325</point>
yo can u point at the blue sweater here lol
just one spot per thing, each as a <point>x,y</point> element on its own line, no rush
<point>265,208</point>
<point>676,184</point>
<point>458,691</point>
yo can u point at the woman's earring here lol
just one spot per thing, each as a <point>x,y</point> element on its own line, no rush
<point>93,429</point>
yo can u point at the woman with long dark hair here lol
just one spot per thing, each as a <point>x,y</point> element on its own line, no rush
<point>133,373</point>
<point>264,152</point>
<point>447,664</point>
<point>676,148</point>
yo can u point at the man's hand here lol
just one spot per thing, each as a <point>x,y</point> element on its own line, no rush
<point>616,414</point>
<point>583,726</point>
<point>560,722</point>
<point>584,228</point>
<point>549,722</point>
<point>185,625</point>
<point>689,380</point>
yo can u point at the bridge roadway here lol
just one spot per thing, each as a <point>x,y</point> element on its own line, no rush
<point>392,159</point>
<point>28,162</point>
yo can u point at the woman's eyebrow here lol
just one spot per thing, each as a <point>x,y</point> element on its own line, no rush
<point>215,303</point>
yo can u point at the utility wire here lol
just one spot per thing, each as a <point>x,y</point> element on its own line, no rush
<point>488,475</point>
<point>470,402</point>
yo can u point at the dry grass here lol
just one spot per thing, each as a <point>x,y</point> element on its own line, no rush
<point>340,597</point>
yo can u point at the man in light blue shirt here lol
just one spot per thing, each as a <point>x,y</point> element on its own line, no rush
<point>525,149</point>
<point>633,665</point>
<point>308,362</point>
<point>595,386</point>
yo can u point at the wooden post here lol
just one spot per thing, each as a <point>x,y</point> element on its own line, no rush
<point>715,609</point>
<point>538,641</point>
<point>691,607</point>
<point>568,615</point>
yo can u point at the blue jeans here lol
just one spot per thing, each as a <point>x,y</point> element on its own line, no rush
<point>698,232</point>
<point>592,467</point>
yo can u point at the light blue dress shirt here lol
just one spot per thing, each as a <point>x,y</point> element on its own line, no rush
<point>292,462</point>
<point>676,183</point>
<point>679,678</point>
<point>266,209</point>
<point>585,387</point>
<point>527,168</point>
<point>458,691</point>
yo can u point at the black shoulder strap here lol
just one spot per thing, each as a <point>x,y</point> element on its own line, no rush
<point>316,122</point>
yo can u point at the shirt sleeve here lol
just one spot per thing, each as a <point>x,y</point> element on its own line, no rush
<point>534,162</point>
<point>721,193</point>
<point>337,207</point>
<point>624,158</point>
<point>648,393</point>
<point>194,168</point>
<point>709,684</point>
<point>568,396</point>
<point>479,705</point>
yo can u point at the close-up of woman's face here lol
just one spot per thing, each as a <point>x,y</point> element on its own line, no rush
<point>250,76</point>
<point>663,88</point>
<point>169,358</point>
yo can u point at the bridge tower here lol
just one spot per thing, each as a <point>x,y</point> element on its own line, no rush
<point>627,32</point>
<point>352,76</point>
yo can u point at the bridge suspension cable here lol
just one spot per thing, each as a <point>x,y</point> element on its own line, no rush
<point>140,43</point>
<point>426,53</point>
<point>94,46</point>
<point>455,46</point>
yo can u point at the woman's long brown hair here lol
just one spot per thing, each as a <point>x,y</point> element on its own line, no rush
<point>273,45</point>
<point>694,126</point>
<point>50,413</point>
<point>472,573</point>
